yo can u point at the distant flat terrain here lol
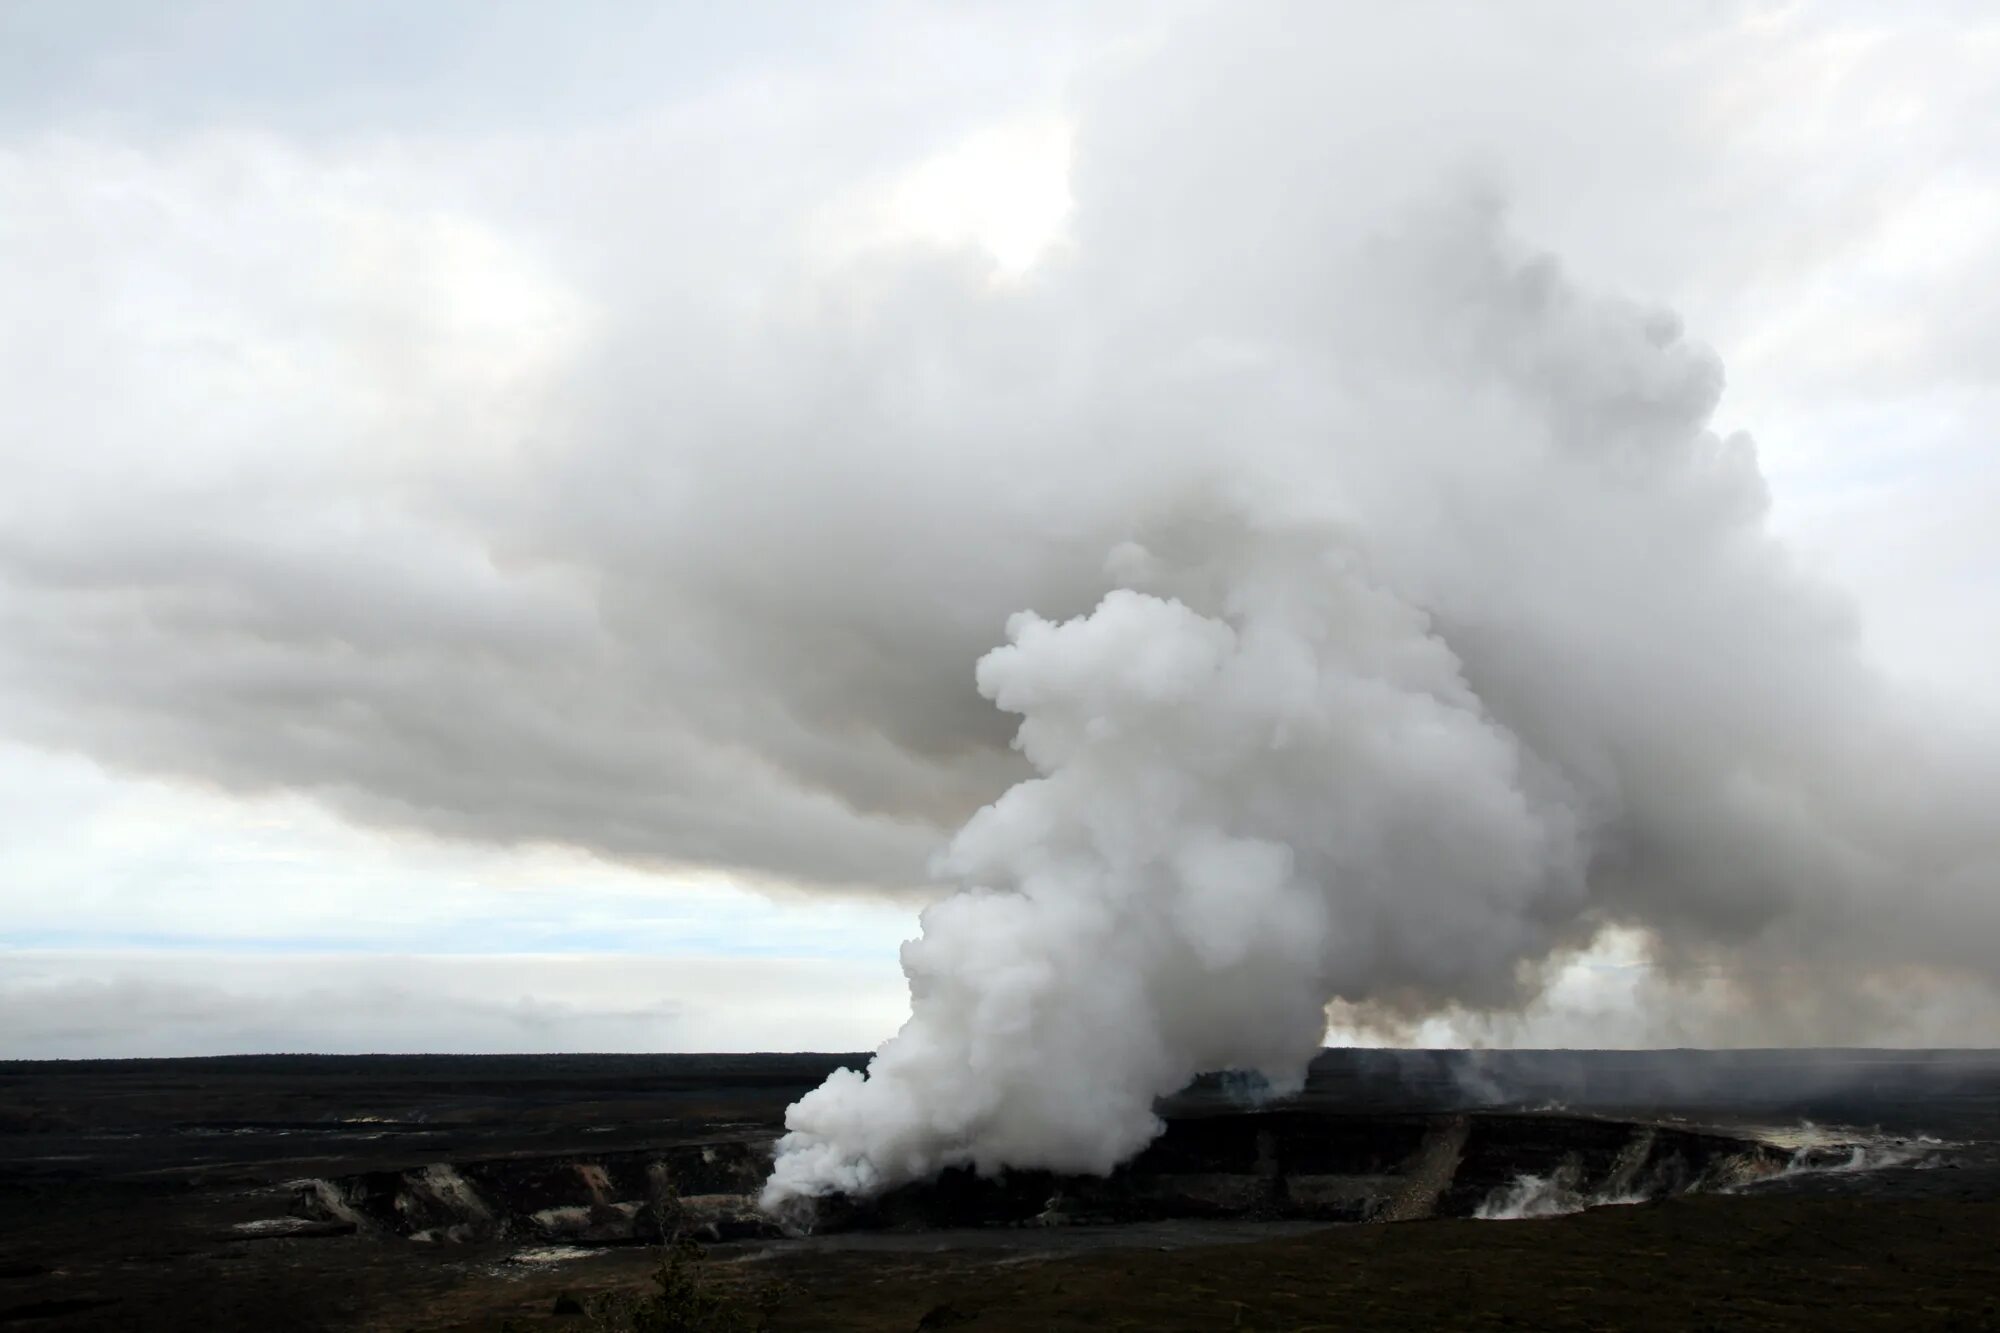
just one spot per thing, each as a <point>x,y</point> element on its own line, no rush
<point>162,1195</point>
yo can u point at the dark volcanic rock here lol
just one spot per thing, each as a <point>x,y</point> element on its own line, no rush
<point>613,1198</point>
<point>129,1188</point>
<point>1291,1163</point>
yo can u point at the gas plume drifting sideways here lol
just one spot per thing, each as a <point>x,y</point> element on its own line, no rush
<point>1499,655</point>
<point>1405,624</point>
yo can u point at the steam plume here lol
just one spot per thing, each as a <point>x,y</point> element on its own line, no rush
<point>1500,656</point>
<point>1405,621</point>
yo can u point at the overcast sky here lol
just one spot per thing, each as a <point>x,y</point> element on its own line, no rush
<point>500,503</point>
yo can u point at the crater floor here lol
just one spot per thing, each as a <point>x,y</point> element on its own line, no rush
<point>455,1192</point>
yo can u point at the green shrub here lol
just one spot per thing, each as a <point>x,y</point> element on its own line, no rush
<point>683,1303</point>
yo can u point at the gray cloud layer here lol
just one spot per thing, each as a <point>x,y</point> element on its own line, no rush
<point>58,1005</point>
<point>545,485</point>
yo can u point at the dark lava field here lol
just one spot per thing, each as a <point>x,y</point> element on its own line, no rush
<point>1401,1190</point>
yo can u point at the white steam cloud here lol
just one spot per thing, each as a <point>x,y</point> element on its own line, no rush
<point>1490,651</point>
<point>644,468</point>
<point>1240,814</point>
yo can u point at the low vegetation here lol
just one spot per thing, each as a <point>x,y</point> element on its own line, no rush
<point>681,1302</point>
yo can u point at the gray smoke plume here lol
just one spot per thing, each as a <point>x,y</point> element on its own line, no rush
<point>1384,614</point>
<point>1487,649</point>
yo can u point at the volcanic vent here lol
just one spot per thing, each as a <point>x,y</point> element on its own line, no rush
<point>1284,1163</point>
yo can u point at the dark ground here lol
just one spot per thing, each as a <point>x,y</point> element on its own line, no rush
<point>125,1187</point>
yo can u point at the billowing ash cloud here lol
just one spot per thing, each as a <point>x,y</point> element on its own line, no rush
<point>1384,614</point>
